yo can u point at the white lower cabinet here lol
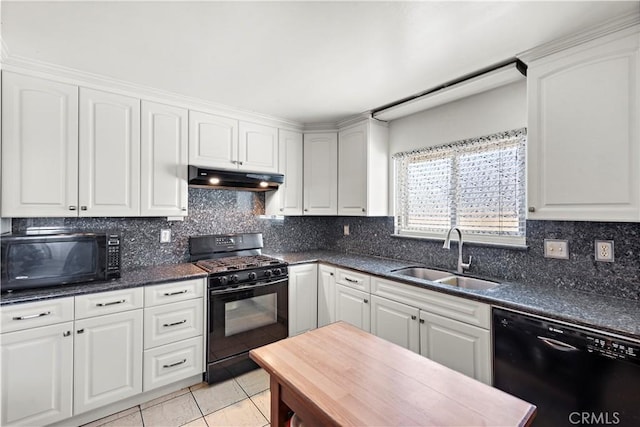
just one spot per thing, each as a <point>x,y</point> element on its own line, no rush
<point>36,375</point>
<point>459,346</point>
<point>107,359</point>
<point>326,294</point>
<point>303,298</point>
<point>395,322</point>
<point>172,362</point>
<point>352,306</point>
<point>169,323</point>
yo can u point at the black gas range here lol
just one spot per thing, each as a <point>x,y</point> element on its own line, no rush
<point>247,300</point>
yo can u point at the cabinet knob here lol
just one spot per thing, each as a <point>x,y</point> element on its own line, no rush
<point>364,210</point>
<point>421,320</point>
<point>81,331</point>
<point>240,163</point>
<point>66,333</point>
<point>532,209</point>
<point>413,317</point>
<point>281,209</point>
<point>183,209</point>
<point>366,301</point>
<point>72,208</point>
<point>83,208</point>
<point>306,210</point>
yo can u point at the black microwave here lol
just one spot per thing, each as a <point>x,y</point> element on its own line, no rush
<point>41,260</point>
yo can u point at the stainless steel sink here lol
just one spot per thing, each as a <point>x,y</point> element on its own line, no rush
<point>468,282</point>
<point>423,273</point>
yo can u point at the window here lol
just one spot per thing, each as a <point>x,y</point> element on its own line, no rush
<point>477,185</point>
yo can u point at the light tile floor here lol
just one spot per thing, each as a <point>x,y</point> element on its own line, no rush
<point>239,402</point>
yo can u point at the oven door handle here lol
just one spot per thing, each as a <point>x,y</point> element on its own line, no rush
<point>245,287</point>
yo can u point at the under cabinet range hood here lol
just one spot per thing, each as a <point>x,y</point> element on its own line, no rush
<point>234,180</point>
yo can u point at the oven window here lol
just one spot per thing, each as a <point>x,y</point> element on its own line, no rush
<point>250,313</point>
<point>51,259</point>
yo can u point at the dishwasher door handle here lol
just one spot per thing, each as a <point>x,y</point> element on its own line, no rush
<point>557,345</point>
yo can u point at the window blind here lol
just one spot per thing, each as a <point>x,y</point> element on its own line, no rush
<point>476,184</point>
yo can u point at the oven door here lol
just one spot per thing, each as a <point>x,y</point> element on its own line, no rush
<point>247,317</point>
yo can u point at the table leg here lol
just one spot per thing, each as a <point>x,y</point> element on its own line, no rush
<point>279,410</point>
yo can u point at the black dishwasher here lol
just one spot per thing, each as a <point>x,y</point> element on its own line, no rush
<point>574,376</point>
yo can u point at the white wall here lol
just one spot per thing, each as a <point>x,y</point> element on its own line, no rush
<point>497,110</point>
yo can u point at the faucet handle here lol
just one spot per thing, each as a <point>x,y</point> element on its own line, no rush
<point>467,265</point>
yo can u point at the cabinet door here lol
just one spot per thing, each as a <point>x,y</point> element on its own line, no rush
<point>287,200</point>
<point>303,298</point>
<point>395,322</point>
<point>39,147</point>
<point>163,162</point>
<point>584,135</point>
<point>459,346</point>
<point>109,165</point>
<point>37,373</point>
<point>352,171</point>
<point>258,148</point>
<point>107,359</point>
<point>213,141</point>
<point>352,306</point>
<point>326,295</point>
<point>320,174</point>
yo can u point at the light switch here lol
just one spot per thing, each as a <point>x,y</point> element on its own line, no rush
<point>346,230</point>
<point>556,249</point>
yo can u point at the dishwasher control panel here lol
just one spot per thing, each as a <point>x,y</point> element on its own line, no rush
<point>613,348</point>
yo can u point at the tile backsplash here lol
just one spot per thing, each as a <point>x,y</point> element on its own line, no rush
<point>223,211</point>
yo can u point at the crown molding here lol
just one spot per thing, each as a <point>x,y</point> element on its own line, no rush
<point>97,81</point>
<point>629,22</point>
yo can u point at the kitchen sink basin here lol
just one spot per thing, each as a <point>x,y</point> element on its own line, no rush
<point>468,282</point>
<point>423,273</point>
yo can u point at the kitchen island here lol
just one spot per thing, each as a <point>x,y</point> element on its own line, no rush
<point>339,375</point>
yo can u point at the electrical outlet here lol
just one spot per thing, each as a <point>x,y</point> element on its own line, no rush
<point>604,250</point>
<point>346,230</point>
<point>556,249</point>
<point>165,236</point>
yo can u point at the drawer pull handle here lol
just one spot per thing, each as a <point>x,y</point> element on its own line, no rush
<point>168,294</point>
<point>350,280</point>
<point>104,304</point>
<point>175,364</point>
<point>32,316</point>
<point>166,325</point>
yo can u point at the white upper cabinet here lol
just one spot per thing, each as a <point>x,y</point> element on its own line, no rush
<point>584,132</point>
<point>363,170</point>
<point>287,200</point>
<point>39,147</point>
<point>163,160</point>
<point>213,141</point>
<point>320,174</point>
<point>258,148</point>
<point>109,155</point>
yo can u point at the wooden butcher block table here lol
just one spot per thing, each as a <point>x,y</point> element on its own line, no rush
<point>338,375</point>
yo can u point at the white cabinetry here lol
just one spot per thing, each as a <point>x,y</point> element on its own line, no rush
<point>108,348</point>
<point>109,155</point>
<point>287,200</point>
<point>352,298</point>
<point>363,170</point>
<point>584,132</point>
<point>222,142</point>
<point>163,160</point>
<point>395,322</point>
<point>320,174</point>
<point>326,294</point>
<point>39,147</point>
<point>36,373</point>
<point>303,298</point>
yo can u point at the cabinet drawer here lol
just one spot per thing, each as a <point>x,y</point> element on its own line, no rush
<point>108,302</point>
<point>168,323</point>
<point>453,307</point>
<point>173,292</point>
<point>172,362</point>
<point>16,317</point>
<point>353,279</point>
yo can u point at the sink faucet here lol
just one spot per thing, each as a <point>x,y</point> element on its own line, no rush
<point>447,245</point>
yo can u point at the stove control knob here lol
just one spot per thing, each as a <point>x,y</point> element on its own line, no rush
<point>277,271</point>
<point>223,280</point>
<point>253,276</point>
<point>234,278</point>
<point>268,273</point>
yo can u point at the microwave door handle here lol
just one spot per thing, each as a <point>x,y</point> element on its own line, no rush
<point>557,345</point>
<point>245,287</point>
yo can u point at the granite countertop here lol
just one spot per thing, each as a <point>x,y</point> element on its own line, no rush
<point>614,315</point>
<point>130,279</point>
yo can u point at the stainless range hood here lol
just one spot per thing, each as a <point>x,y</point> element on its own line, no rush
<point>233,180</point>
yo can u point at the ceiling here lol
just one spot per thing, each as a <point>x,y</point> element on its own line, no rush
<point>308,62</point>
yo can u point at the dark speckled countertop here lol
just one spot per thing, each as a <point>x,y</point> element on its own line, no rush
<point>130,279</point>
<point>603,313</point>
